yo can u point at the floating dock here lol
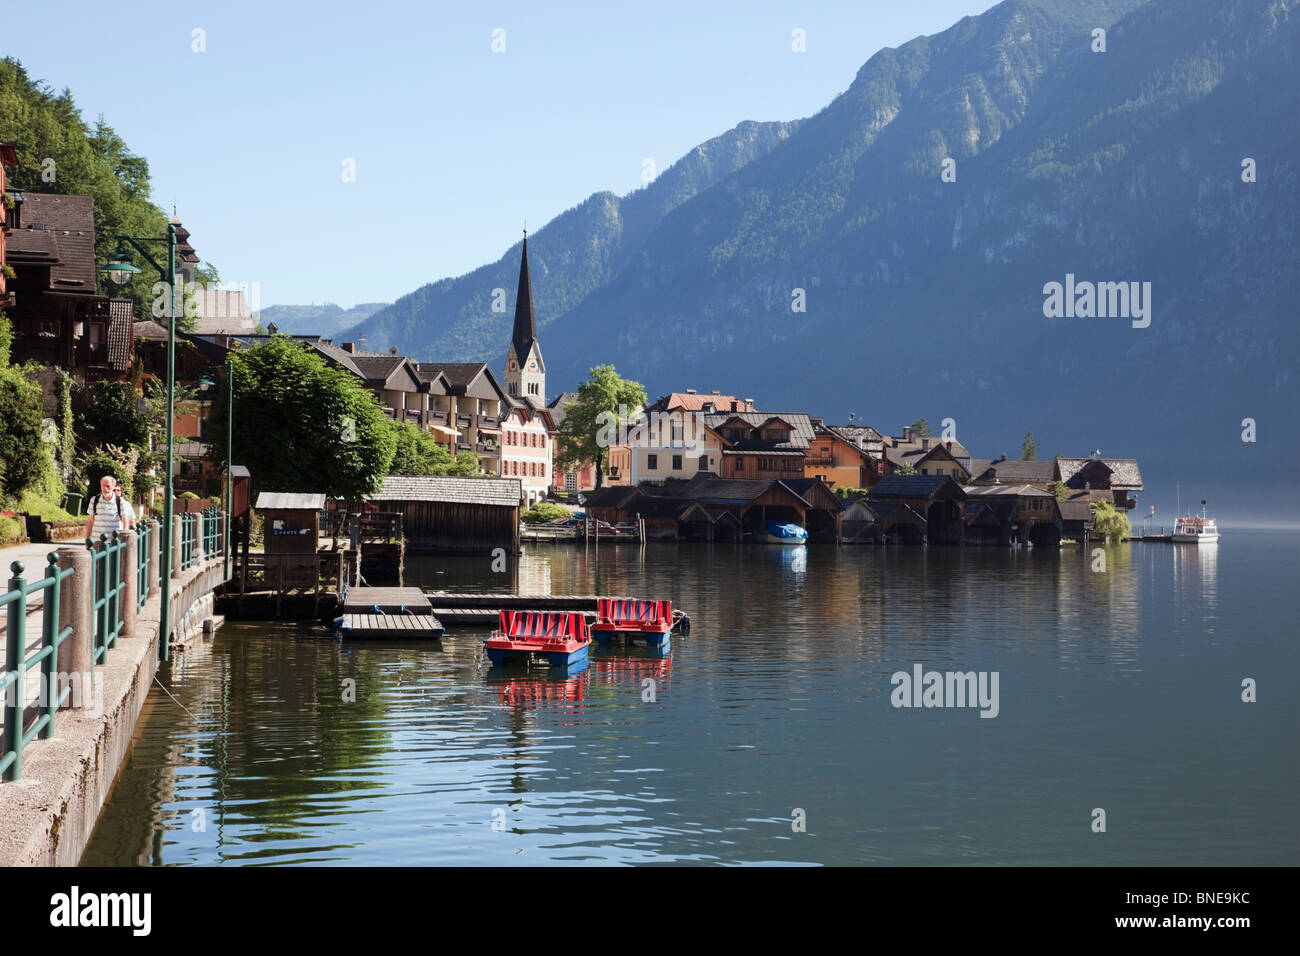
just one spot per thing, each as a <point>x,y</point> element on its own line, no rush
<point>387,612</point>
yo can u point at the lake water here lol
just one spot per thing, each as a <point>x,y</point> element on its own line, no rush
<point>771,736</point>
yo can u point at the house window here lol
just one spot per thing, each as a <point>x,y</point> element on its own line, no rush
<point>677,433</point>
<point>677,462</point>
<point>570,482</point>
<point>652,462</point>
<point>541,439</point>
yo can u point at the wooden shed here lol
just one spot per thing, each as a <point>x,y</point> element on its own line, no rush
<point>291,536</point>
<point>240,488</point>
<point>444,515</point>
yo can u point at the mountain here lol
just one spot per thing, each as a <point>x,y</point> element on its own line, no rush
<point>926,297</point>
<point>584,247</point>
<point>328,320</point>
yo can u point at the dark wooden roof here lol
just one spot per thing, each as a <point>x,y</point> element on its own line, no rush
<point>933,487</point>
<point>1011,472</point>
<point>71,221</point>
<point>1124,472</point>
<point>801,430</point>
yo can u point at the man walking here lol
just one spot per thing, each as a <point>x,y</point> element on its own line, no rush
<point>128,510</point>
<point>105,512</point>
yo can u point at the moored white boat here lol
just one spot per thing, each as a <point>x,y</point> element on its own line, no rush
<point>1194,530</point>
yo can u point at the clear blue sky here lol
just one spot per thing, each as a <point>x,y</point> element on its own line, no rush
<point>454,144</point>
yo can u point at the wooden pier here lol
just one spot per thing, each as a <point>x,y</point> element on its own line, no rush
<point>388,612</point>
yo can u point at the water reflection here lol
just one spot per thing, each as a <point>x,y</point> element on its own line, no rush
<point>298,747</point>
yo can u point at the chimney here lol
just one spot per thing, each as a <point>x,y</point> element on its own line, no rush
<point>907,434</point>
<point>715,392</point>
<point>349,346</point>
<point>925,444</point>
<point>1004,456</point>
<point>749,404</point>
<point>733,406</point>
<point>690,391</point>
<point>392,350</point>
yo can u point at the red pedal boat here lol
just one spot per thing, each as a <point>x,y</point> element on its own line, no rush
<point>651,621</point>
<point>563,637</point>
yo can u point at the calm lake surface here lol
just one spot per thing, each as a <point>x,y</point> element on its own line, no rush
<point>1119,690</point>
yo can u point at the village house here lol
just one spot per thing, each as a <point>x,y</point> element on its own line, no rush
<point>674,441</point>
<point>58,316</point>
<point>762,445</point>
<point>865,437</point>
<point>1115,480</point>
<point>928,455</point>
<point>838,460</point>
<point>527,449</point>
<point>475,402</point>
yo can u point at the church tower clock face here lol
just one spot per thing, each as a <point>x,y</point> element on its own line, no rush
<point>532,366</point>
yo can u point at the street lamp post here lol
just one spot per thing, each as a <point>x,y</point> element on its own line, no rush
<point>121,271</point>
<point>230,437</point>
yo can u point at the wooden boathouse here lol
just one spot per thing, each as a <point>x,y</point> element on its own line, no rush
<point>446,515</point>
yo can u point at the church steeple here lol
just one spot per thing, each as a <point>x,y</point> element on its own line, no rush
<point>525,370</point>
<point>525,335</point>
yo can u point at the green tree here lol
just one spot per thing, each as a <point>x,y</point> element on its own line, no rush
<point>590,426</point>
<point>87,161</point>
<point>24,457</point>
<point>303,425</point>
<point>1061,491</point>
<point>1112,525</point>
<point>1029,448</point>
<point>418,454</point>
<point>921,428</point>
<point>105,413</point>
<point>904,469</point>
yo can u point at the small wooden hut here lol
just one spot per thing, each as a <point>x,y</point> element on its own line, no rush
<point>445,515</point>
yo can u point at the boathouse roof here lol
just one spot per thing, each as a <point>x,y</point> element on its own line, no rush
<point>1016,471</point>
<point>1124,473</point>
<point>502,492</point>
<point>915,486</point>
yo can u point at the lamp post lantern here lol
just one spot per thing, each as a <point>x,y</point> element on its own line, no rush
<point>120,270</point>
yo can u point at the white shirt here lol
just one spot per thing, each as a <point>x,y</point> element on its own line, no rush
<point>128,513</point>
<point>107,518</point>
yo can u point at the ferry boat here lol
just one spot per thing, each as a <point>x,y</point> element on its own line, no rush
<point>1193,530</point>
<point>561,637</point>
<point>781,532</point>
<point>651,621</point>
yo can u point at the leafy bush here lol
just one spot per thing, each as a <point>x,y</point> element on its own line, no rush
<point>1109,523</point>
<point>543,512</point>
<point>121,463</point>
<point>23,456</point>
<point>850,494</point>
<point>105,414</point>
<point>12,531</point>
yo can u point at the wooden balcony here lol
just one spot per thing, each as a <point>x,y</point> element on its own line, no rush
<point>489,421</point>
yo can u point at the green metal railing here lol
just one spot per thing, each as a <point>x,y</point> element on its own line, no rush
<point>142,563</point>
<point>189,541</point>
<point>13,680</point>
<point>212,543</point>
<point>108,585</point>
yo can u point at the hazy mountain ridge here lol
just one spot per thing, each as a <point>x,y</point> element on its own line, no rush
<point>925,297</point>
<point>573,254</point>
